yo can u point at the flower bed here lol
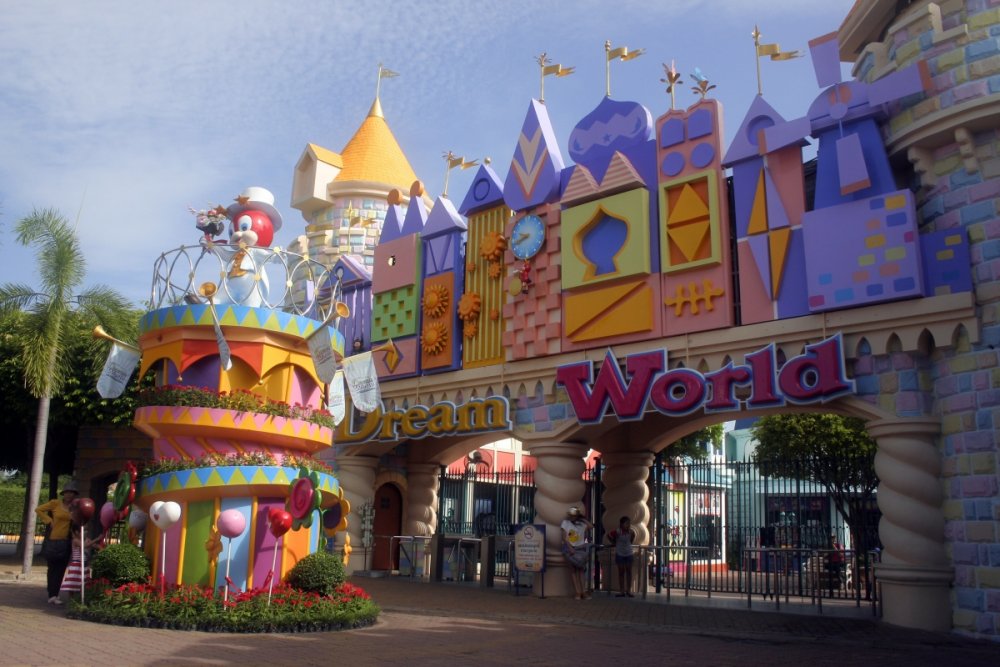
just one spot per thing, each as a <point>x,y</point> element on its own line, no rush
<point>189,607</point>
<point>238,400</point>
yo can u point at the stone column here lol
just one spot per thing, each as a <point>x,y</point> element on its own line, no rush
<point>558,486</point>
<point>626,493</point>
<point>915,573</point>
<point>422,482</point>
<point>356,475</point>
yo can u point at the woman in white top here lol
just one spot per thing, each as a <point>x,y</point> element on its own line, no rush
<point>576,548</point>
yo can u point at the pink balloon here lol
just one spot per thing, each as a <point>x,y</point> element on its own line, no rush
<point>108,515</point>
<point>231,523</point>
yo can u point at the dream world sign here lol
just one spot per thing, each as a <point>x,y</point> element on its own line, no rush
<point>816,376</point>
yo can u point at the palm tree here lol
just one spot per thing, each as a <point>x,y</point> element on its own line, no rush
<point>61,269</point>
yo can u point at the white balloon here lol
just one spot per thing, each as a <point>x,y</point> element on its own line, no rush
<point>137,520</point>
<point>165,514</point>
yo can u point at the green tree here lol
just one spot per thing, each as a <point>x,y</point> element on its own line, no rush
<point>48,335</point>
<point>695,446</point>
<point>833,451</point>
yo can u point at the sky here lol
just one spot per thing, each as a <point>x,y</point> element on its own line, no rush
<point>121,115</point>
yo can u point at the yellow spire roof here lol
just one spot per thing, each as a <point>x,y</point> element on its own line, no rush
<point>373,154</point>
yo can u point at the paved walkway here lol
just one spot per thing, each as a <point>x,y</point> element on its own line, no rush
<point>435,624</point>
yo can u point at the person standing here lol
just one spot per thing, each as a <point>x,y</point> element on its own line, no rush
<point>57,515</point>
<point>623,538</point>
<point>576,548</point>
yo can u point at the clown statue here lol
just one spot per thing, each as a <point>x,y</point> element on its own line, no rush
<point>253,221</point>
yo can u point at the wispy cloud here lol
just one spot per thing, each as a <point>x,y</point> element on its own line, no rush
<point>138,110</point>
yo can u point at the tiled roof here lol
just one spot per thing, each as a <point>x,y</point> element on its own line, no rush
<point>373,154</point>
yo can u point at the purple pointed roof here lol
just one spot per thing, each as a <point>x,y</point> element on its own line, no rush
<point>746,141</point>
<point>443,219</point>
<point>416,216</point>
<point>392,227</point>
<point>354,269</point>
<point>612,126</point>
<point>486,191</point>
<point>536,169</point>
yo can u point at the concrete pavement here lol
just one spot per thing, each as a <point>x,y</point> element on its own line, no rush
<point>457,624</point>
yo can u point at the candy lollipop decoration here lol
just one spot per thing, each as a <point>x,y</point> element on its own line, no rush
<point>278,522</point>
<point>304,497</point>
<point>230,523</point>
<point>83,508</point>
<point>164,515</point>
<point>108,515</point>
<point>136,522</point>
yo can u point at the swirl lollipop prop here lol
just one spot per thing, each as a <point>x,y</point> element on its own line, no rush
<point>230,523</point>
<point>279,522</point>
<point>164,515</point>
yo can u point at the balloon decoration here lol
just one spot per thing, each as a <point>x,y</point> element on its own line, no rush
<point>84,509</point>
<point>137,520</point>
<point>136,523</point>
<point>278,522</point>
<point>164,515</point>
<point>108,515</point>
<point>304,497</point>
<point>231,523</point>
<point>125,490</point>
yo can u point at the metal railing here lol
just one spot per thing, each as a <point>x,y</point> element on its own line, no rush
<point>260,277</point>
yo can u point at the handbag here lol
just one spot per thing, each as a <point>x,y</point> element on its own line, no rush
<point>54,549</point>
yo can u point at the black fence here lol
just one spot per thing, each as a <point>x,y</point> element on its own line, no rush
<point>480,503</point>
<point>803,528</point>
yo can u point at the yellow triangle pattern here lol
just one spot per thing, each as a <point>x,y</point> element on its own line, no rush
<point>259,478</point>
<point>689,238</point>
<point>174,484</point>
<point>779,240</point>
<point>238,477</point>
<point>170,320</point>
<point>214,479</point>
<point>689,207</point>
<point>251,319</point>
<point>271,323</point>
<point>281,478</point>
<point>597,303</point>
<point>758,214</point>
<point>228,317</point>
<point>187,317</point>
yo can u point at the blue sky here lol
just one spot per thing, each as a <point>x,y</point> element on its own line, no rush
<point>123,114</point>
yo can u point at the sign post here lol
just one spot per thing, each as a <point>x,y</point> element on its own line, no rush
<point>529,552</point>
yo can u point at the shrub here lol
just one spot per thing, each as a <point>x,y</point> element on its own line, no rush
<point>190,607</point>
<point>320,573</point>
<point>120,564</point>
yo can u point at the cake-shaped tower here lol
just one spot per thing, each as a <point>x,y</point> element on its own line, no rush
<point>236,415</point>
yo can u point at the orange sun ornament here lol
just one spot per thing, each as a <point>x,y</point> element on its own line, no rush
<point>495,270</point>
<point>492,246</point>
<point>494,314</point>
<point>436,301</point>
<point>469,306</point>
<point>470,329</point>
<point>434,338</point>
<point>470,266</point>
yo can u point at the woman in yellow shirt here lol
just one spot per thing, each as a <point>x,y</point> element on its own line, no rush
<point>57,514</point>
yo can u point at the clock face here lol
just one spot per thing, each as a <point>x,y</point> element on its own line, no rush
<point>527,237</point>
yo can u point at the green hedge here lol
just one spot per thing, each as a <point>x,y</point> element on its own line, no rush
<point>11,503</point>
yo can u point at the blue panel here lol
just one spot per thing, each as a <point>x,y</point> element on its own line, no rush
<point>700,124</point>
<point>672,133</point>
<point>703,155</point>
<point>673,164</point>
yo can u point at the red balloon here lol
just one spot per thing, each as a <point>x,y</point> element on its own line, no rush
<point>85,508</point>
<point>279,522</point>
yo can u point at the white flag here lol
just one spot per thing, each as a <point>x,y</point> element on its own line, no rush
<point>117,370</point>
<point>321,349</point>
<point>335,400</point>
<point>362,380</point>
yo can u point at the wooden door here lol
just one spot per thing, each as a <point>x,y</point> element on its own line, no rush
<point>388,522</point>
